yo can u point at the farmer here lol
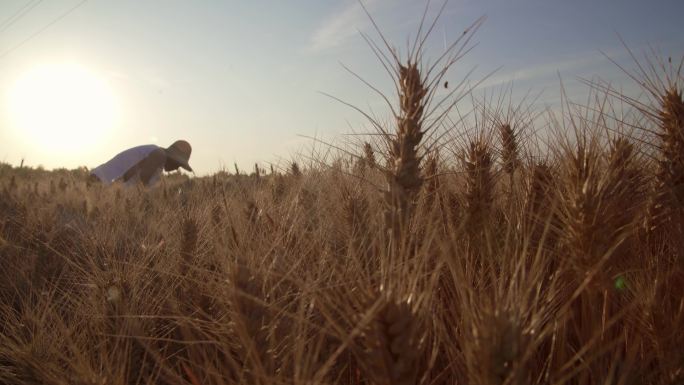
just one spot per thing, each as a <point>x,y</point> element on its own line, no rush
<point>143,164</point>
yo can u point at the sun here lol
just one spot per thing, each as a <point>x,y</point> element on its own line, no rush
<point>62,107</point>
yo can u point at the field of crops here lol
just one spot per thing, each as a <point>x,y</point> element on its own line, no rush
<point>508,246</point>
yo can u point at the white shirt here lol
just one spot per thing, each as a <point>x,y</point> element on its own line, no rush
<point>116,167</point>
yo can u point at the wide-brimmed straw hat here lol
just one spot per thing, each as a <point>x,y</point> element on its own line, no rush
<point>180,151</point>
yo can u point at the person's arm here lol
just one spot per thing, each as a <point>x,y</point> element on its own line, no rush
<point>147,167</point>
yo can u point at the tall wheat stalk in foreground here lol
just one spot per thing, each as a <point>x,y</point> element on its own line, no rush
<point>403,174</point>
<point>416,115</point>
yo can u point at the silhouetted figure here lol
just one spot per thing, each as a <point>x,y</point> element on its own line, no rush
<point>143,164</point>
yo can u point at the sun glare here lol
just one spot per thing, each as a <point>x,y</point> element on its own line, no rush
<point>62,107</point>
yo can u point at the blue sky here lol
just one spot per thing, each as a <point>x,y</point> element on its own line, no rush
<point>240,80</point>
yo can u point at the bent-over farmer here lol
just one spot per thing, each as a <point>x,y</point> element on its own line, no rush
<point>143,164</point>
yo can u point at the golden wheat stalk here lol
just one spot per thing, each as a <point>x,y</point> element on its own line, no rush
<point>669,194</point>
<point>509,149</point>
<point>188,251</point>
<point>479,186</point>
<point>432,187</point>
<point>294,170</point>
<point>391,343</point>
<point>369,155</point>
<point>403,174</point>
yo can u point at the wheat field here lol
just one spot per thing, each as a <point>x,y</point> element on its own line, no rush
<point>506,247</point>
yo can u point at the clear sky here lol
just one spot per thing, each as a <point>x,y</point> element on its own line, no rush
<point>240,80</point>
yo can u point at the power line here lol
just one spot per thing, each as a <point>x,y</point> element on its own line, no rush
<point>19,14</point>
<point>43,29</point>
